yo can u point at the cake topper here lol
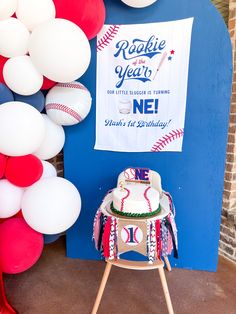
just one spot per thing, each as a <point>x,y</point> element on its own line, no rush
<point>137,175</point>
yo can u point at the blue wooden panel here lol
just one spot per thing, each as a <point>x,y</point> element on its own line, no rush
<point>193,177</point>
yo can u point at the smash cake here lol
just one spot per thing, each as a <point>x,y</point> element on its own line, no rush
<point>135,200</point>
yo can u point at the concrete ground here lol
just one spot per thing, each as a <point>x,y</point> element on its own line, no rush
<point>59,285</point>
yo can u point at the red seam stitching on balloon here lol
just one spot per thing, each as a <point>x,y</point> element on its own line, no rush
<point>70,85</point>
<point>65,109</point>
<point>167,139</point>
<point>107,37</point>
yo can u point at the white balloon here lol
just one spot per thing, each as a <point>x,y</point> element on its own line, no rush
<point>21,76</point>
<point>60,50</point>
<point>10,200</point>
<point>68,103</point>
<point>138,3</point>
<point>51,205</point>
<point>34,12</point>
<point>14,38</point>
<point>53,141</point>
<point>7,8</point>
<point>22,129</point>
<point>48,170</point>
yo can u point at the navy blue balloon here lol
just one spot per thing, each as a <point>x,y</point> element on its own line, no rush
<point>50,238</point>
<point>36,100</point>
<point>5,94</point>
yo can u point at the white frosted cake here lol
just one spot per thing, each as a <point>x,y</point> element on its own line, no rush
<point>135,200</point>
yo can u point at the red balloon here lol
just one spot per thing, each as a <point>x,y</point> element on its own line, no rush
<point>23,171</point>
<point>89,15</point>
<point>47,83</point>
<point>19,215</point>
<point>3,60</point>
<point>3,163</point>
<point>20,246</point>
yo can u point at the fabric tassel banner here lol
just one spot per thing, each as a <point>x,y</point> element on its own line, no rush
<point>153,238</point>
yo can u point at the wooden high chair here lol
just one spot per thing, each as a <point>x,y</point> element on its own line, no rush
<point>135,265</point>
<point>132,235</point>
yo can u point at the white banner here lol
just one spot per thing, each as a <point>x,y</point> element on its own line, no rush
<point>142,74</point>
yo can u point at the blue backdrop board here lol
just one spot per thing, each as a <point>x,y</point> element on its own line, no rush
<point>194,176</point>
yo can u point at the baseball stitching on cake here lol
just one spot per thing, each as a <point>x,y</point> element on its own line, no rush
<point>71,85</point>
<point>123,199</point>
<point>167,139</point>
<point>107,37</point>
<point>65,109</point>
<point>147,199</point>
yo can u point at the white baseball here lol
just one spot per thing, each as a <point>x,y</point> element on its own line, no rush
<point>129,174</point>
<point>132,235</point>
<point>68,103</point>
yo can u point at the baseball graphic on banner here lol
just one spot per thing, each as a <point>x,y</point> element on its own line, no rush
<point>68,103</point>
<point>132,235</point>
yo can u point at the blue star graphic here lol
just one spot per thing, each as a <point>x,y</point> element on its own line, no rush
<point>170,58</point>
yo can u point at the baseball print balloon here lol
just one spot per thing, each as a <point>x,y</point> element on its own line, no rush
<point>131,235</point>
<point>68,103</point>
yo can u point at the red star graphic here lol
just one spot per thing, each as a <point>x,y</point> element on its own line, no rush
<point>172,52</point>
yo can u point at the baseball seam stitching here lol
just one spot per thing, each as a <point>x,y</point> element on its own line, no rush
<point>147,199</point>
<point>123,199</point>
<point>107,37</point>
<point>65,109</point>
<point>70,85</point>
<point>167,139</point>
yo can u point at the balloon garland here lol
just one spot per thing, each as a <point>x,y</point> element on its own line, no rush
<point>31,62</point>
<point>44,44</point>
